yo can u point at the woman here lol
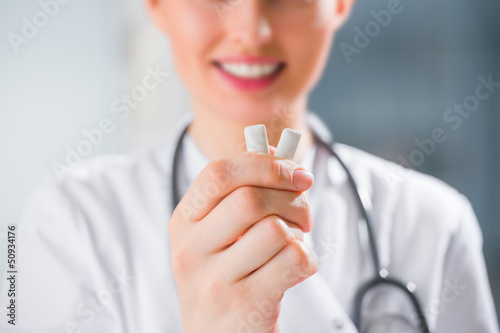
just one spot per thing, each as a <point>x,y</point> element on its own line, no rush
<point>252,245</point>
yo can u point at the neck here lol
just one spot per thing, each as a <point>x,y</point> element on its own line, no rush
<point>219,136</point>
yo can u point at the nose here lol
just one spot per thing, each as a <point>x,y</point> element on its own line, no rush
<point>246,23</point>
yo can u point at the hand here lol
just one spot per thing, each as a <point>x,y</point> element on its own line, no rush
<point>236,243</point>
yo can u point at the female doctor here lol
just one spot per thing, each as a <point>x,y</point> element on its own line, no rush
<point>198,235</point>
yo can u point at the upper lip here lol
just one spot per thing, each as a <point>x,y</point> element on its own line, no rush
<point>250,60</point>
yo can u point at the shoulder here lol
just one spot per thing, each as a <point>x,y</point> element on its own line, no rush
<point>134,169</point>
<point>112,187</point>
<point>419,199</point>
<point>104,180</point>
<point>140,162</point>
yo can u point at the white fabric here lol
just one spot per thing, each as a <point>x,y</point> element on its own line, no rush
<point>102,234</point>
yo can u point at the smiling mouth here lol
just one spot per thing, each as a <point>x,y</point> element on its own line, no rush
<point>250,71</point>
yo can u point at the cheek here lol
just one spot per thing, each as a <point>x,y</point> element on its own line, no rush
<point>308,52</point>
<point>191,41</point>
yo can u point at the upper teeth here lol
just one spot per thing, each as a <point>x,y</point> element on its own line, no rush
<point>249,70</point>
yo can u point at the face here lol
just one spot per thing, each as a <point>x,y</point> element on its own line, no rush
<point>245,59</point>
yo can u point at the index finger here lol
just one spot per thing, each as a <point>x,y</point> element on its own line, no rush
<point>221,177</point>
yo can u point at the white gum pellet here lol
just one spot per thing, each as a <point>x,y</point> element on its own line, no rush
<point>256,139</point>
<point>288,143</point>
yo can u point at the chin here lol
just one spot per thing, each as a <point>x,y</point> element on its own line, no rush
<point>252,112</point>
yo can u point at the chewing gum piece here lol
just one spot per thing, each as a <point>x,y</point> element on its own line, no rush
<point>288,143</point>
<point>256,139</point>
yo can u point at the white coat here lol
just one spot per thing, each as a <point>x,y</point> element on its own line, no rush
<point>93,249</point>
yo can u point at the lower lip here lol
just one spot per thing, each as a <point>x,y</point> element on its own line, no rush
<point>249,84</point>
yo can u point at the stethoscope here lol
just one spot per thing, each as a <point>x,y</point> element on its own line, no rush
<point>381,275</point>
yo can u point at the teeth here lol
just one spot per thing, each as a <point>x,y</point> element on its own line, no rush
<point>249,71</point>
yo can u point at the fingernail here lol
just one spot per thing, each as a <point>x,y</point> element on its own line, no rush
<point>302,179</point>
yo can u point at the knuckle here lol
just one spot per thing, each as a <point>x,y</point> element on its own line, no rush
<point>312,266</point>
<point>217,166</point>
<point>276,167</point>
<point>212,288</point>
<point>182,257</point>
<point>280,170</point>
<point>220,172</point>
<point>298,234</point>
<point>304,211</point>
<point>247,199</point>
<point>301,202</point>
<point>276,231</point>
<point>301,260</point>
<point>247,289</point>
<point>297,256</point>
<point>307,209</point>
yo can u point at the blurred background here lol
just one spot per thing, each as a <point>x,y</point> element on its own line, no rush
<point>381,92</point>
